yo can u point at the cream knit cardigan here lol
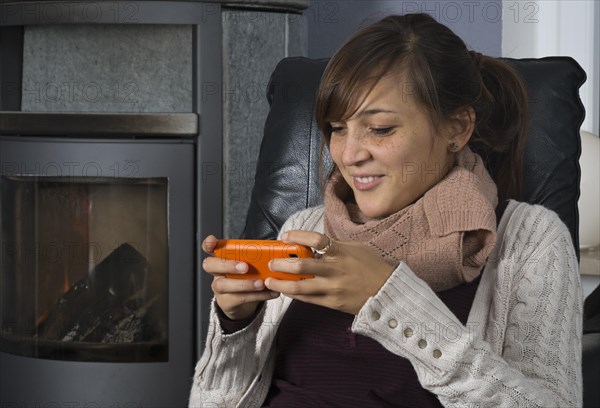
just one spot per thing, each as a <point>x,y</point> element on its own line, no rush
<point>521,346</point>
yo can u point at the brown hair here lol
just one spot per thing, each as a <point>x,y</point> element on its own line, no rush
<point>445,78</point>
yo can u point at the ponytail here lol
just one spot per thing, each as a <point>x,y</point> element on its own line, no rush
<point>502,117</point>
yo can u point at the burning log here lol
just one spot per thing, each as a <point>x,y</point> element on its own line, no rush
<point>114,304</point>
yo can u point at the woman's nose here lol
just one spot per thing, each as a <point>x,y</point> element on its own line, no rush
<point>355,149</point>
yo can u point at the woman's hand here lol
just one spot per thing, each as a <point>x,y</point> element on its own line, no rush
<point>237,298</point>
<point>345,276</point>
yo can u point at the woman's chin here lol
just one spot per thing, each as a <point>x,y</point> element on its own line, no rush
<point>372,212</point>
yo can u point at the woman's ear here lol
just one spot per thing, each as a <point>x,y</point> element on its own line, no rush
<point>460,127</point>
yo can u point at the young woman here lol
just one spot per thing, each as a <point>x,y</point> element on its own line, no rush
<point>432,287</point>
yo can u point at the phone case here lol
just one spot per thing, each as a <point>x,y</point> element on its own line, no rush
<point>258,253</point>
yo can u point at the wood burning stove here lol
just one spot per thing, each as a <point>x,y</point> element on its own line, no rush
<point>101,302</point>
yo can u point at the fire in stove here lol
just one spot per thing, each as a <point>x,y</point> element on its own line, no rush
<point>114,304</point>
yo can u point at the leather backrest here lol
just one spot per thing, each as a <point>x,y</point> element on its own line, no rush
<point>287,176</point>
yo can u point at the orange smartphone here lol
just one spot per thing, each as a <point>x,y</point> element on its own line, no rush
<point>258,253</point>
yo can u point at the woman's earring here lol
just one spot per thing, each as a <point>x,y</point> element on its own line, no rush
<point>453,147</point>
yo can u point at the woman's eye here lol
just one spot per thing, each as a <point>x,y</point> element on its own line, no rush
<point>383,131</point>
<point>336,129</point>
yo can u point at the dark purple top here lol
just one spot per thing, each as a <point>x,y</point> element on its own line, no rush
<point>321,363</point>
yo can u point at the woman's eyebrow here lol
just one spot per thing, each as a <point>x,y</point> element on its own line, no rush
<point>375,111</point>
<point>368,112</point>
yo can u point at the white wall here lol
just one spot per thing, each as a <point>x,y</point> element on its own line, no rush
<point>543,28</point>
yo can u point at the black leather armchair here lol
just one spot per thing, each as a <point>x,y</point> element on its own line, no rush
<point>288,177</point>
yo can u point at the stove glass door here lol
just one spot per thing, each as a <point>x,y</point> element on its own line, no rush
<point>84,269</point>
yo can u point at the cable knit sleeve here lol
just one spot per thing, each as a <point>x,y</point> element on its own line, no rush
<point>237,367</point>
<point>227,366</point>
<point>521,346</point>
<point>310,219</point>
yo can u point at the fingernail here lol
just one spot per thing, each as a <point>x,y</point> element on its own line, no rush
<point>268,282</point>
<point>241,267</point>
<point>259,284</point>
<point>284,236</point>
<point>274,294</point>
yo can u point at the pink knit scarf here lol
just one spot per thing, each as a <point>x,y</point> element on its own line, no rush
<point>445,236</point>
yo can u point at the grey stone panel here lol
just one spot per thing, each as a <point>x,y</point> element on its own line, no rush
<point>297,35</point>
<point>253,43</point>
<point>107,68</point>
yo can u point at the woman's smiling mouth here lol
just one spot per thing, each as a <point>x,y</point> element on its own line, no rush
<point>363,183</point>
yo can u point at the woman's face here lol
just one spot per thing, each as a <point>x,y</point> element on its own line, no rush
<point>389,152</point>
